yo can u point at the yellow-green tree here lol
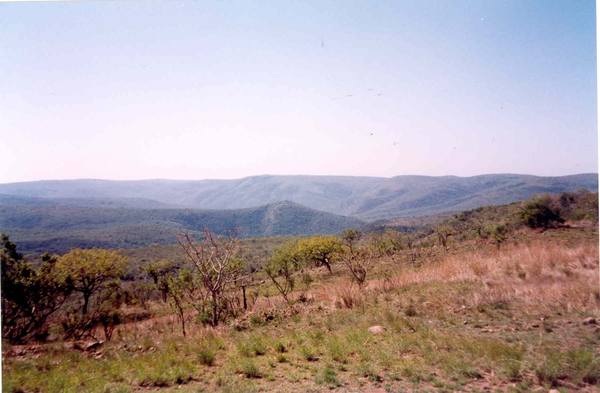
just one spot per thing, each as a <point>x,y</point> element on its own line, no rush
<point>319,250</point>
<point>87,271</point>
<point>289,259</point>
<point>282,267</point>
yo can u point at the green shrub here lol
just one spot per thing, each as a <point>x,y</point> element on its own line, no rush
<point>251,370</point>
<point>280,347</point>
<point>206,357</point>
<point>281,358</point>
<point>550,370</point>
<point>540,212</point>
<point>327,377</point>
<point>254,346</point>
<point>338,350</point>
<point>308,353</point>
<point>583,365</point>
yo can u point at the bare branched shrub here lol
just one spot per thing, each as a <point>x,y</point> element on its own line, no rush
<point>358,260</point>
<point>215,260</point>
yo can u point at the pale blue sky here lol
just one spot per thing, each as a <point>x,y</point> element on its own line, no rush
<point>227,89</point>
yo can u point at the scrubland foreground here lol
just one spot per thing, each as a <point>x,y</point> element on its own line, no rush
<point>519,313</point>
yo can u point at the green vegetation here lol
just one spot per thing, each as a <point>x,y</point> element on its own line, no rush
<point>482,302</point>
<point>57,229</point>
<point>86,271</point>
<point>29,296</point>
<point>369,198</point>
<point>539,213</point>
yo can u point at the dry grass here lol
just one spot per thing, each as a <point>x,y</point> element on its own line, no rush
<point>347,296</point>
<point>540,273</point>
<point>430,341</point>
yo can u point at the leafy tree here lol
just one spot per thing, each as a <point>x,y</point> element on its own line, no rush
<point>443,232</point>
<point>294,256</point>
<point>388,243</point>
<point>579,205</point>
<point>281,268</point>
<point>588,207</point>
<point>566,199</point>
<point>29,297</point>
<point>87,270</point>
<point>479,227</point>
<point>499,232</point>
<point>540,212</point>
<point>319,250</point>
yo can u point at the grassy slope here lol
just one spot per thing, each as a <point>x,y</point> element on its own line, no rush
<point>474,318</point>
<point>369,198</point>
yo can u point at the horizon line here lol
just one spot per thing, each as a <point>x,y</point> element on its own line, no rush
<point>273,175</point>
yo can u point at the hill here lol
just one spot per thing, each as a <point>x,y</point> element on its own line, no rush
<point>464,313</point>
<point>368,198</point>
<point>143,203</point>
<point>60,228</point>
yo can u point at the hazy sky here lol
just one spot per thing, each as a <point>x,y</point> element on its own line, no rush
<point>227,89</point>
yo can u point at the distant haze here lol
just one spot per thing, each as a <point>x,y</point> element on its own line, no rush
<point>367,198</point>
<point>230,89</point>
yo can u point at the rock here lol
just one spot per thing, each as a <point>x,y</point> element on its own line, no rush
<point>465,322</point>
<point>590,321</point>
<point>553,391</point>
<point>535,325</point>
<point>91,346</point>
<point>377,329</point>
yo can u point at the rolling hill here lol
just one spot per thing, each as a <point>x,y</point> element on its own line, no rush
<point>368,198</point>
<point>59,228</point>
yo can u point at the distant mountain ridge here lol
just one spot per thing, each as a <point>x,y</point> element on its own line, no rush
<point>368,198</point>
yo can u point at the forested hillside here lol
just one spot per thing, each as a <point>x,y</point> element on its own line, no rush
<point>368,198</point>
<point>60,228</point>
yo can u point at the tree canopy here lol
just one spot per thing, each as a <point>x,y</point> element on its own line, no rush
<point>87,270</point>
<point>29,296</point>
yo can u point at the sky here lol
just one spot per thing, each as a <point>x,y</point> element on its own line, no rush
<point>228,89</point>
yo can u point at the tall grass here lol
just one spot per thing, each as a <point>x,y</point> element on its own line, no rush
<point>541,273</point>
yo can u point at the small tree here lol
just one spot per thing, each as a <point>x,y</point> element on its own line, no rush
<point>499,232</point>
<point>319,250</point>
<point>216,261</point>
<point>29,297</point>
<point>358,260</point>
<point>388,243</point>
<point>95,275</point>
<point>173,287</point>
<point>86,271</point>
<point>294,256</point>
<point>281,268</point>
<point>443,232</point>
<point>540,212</point>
